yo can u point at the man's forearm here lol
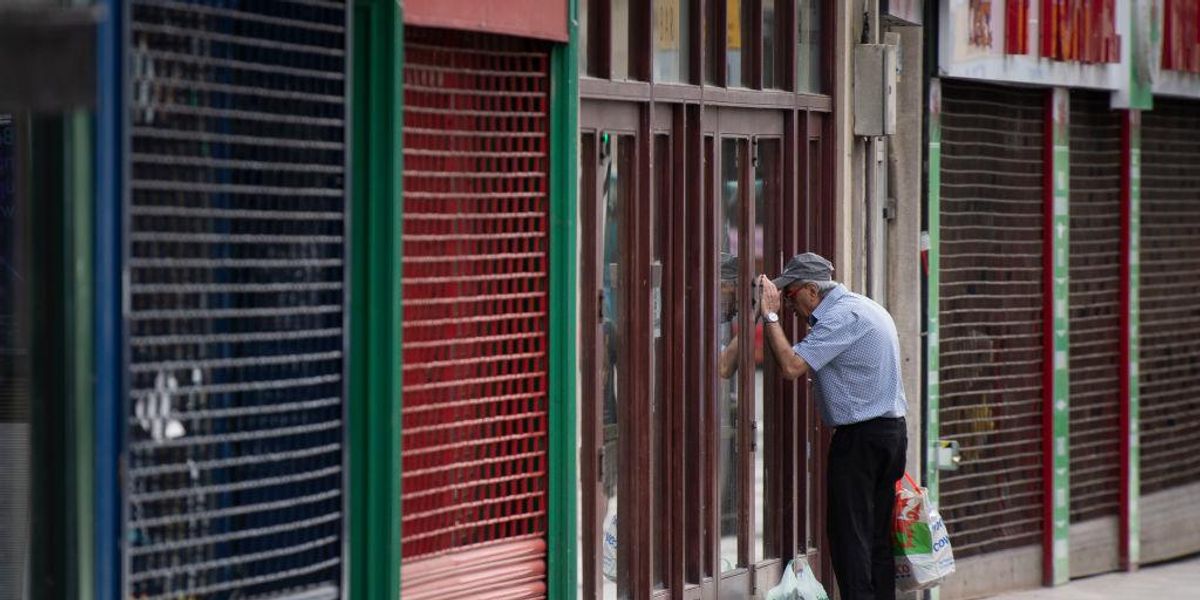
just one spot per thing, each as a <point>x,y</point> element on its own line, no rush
<point>792,366</point>
<point>728,361</point>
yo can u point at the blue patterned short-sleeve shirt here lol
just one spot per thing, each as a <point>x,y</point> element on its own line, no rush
<point>853,354</point>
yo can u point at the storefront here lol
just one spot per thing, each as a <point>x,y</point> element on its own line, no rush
<point>1167,368</point>
<point>1013,355</point>
<point>705,157</point>
<point>1095,331</point>
<point>475,427</point>
<point>1044,268</point>
<point>227,408</point>
<point>485,336</point>
<point>990,315</point>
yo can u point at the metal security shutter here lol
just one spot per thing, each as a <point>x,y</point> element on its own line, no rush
<point>476,222</point>
<point>991,314</point>
<point>236,217</point>
<point>14,375</point>
<point>1169,370</point>
<point>1095,306</point>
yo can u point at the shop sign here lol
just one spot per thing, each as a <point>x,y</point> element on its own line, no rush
<point>1181,35</point>
<point>1016,30</point>
<point>1081,31</point>
<point>666,24</point>
<point>733,24</point>
<point>1173,65</point>
<point>1069,43</point>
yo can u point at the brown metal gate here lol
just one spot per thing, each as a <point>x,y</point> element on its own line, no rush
<point>476,220</point>
<point>991,314</point>
<point>1169,369</point>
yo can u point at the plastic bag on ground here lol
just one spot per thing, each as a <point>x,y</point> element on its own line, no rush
<point>797,583</point>
<point>920,541</point>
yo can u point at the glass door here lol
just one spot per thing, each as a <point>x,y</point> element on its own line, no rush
<point>607,164</point>
<point>753,485</point>
<point>696,476</point>
<point>734,329</point>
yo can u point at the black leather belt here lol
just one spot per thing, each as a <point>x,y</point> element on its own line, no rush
<point>875,421</point>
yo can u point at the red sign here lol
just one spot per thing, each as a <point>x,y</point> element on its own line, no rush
<point>1080,31</point>
<point>1181,35</point>
<point>1016,27</point>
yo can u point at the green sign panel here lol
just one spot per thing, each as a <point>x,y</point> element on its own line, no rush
<point>1135,225</point>
<point>930,245</point>
<point>1145,47</point>
<point>1060,290</point>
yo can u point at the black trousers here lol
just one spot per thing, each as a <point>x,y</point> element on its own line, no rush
<point>865,460</point>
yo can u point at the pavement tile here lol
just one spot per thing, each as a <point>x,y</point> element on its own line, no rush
<point>1178,580</point>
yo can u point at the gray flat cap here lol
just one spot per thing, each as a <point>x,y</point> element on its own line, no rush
<point>809,266</point>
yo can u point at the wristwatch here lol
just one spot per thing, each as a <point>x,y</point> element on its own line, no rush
<point>771,317</point>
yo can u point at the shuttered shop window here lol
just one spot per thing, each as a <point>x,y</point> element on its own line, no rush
<point>1095,318</point>
<point>236,209</point>
<point>14,367</point>
<point>476,174</point>
<point>1169,370</point>
<point>991,314</point>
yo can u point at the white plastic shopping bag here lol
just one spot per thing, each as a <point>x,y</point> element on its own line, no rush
<point>920,542</point>
<point>797,583</point>
<point>609,559</point>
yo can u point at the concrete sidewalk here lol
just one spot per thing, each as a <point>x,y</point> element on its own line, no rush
<point>1179,580</point>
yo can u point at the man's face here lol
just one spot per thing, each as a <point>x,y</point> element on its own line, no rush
<point>802,298</point>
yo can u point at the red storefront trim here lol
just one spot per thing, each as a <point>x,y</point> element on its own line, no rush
<point>541,19</point>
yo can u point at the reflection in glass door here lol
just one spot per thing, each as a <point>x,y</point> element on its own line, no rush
<point>767,194</point>
<point>749,518</point>
<point>732,319</point>
<point>616,167</point>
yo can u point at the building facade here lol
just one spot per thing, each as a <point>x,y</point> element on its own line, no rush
<point>439,299</point>
<point>1055,131</point>
<point>431,299</point>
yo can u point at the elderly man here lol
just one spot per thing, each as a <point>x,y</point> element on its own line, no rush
<point>853,354</point>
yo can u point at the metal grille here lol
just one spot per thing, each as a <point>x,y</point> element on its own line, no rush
<point>236,202</point>
<point>14,380</point>
<point>991,314</point>
<point>14,401</point>
<point>1095,304</point>
<point>476,213</point>
<point>1169,370</point>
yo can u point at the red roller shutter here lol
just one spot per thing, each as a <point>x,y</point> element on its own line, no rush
<point>476,211</point>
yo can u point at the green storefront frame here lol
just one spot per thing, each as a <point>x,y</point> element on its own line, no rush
<point>377,58</point>
<point>564,320</point>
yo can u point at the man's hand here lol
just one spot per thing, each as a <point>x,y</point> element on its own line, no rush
<point>771,301</point>
<point>791,366</point>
